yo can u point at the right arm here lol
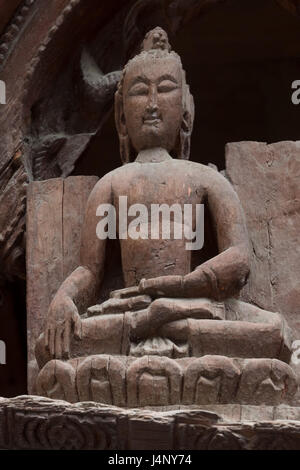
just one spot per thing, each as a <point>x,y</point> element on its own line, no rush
<point>79,290</point>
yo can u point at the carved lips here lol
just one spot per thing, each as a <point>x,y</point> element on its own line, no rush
<point>152,119</point>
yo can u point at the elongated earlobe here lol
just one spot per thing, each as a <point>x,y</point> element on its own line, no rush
<point>125,146</point>
<point>184,146</point>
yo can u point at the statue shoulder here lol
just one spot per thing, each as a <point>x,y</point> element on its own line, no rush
<point>215,183</point>
<point>220,189</point>
<point>101,191</point>
<point>111,180</point>
<point>103,182</point>
<point>190,166</point>
<point>205,173</point>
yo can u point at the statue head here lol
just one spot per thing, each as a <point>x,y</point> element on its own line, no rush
<point>153,103</point>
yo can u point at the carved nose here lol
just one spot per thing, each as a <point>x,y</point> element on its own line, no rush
<point>152,107</point>
<point>152,103</point>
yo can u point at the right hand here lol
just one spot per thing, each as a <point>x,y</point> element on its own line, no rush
<point>62,319</point>
<point>117,305</point>
<point>162,286</point>
<point>125,293</point>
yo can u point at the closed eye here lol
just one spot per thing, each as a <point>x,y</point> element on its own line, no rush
<point>140,89</point>
<point>166,86</point>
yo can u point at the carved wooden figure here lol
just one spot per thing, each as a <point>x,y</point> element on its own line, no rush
<point>177,333</point>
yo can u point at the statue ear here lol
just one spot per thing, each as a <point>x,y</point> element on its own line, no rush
<point>121,128</point>
<point>119,114</point>
<point>186,124</point>
<point>122,121</point>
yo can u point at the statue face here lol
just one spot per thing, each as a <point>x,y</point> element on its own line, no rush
<point>152,100</point>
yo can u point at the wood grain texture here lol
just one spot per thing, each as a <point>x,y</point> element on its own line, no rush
<point>55,211</point>
<point>33,423</point>
<point>76,192</point>
<point>267,180</point>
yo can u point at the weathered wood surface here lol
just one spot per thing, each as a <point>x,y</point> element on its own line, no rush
<point>76,192</point>
<point>55,211</point>
<point>44,252</point>
<point>40,423</point>
<point>267,180</point>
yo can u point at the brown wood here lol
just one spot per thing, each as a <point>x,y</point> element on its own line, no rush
<point>55,210</point>
<point>267,180</point>
<point>76,192</point>
<point>190,313</point>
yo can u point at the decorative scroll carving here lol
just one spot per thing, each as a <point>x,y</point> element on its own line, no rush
<point>220,439</point>
<point>39,423</point>
<point>282,438</point>
<point>58,432</point>
<point>13,186</point>
<point>15,28</point>
<point>249,436</point>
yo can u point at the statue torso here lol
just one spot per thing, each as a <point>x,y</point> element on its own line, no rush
<point>171,182</point>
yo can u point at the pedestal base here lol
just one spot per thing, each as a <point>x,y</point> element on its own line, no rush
<point>153,380</point>
<point>30,422</point>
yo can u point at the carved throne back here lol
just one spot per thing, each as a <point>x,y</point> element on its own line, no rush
<point>55,212</point>
<point>267,180</point>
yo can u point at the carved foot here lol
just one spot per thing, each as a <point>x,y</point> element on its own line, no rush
<point>102,379</point>
<point>210,379</point>
<point>57,381</point>
<point>266,381</point>
<point>154,381</point>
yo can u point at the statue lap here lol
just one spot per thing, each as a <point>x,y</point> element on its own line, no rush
<point>239,348</point>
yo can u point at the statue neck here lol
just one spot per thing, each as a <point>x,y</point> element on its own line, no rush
<point>155,155</point>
